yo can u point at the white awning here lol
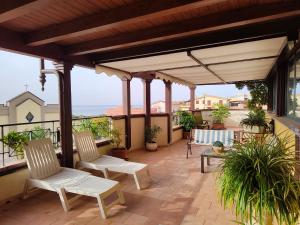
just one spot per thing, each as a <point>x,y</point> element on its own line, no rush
<point>230,63</point>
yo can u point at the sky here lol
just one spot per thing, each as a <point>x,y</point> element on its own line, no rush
<point>88,88</point>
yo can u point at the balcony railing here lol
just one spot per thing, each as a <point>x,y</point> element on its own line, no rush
<point>11,134</point>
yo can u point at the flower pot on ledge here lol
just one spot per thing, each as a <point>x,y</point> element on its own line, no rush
<point>218,126</point>
<point>151,146</point>
<point>121,153</point>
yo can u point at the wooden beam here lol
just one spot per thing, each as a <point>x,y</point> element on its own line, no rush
<point>13,42</point>
<point>122,16</point>
<point>147,101</point>
<point>192,98</point>
<point>127,110</point>
<point>11,9</point>
<point>168,108</point>
<point>221,21</point>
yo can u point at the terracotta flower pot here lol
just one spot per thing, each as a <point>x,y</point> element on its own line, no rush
<point>218,150</point>
<point>121,153</point>
<point>151,147</point>
<point>218,126</point>
<point>186,134</point>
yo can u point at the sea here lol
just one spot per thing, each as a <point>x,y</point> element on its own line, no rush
<point>90,110</point>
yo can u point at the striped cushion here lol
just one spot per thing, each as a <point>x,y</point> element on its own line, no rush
<point>208,137</point>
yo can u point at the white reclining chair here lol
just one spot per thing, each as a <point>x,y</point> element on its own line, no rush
<point>91,159</point>
<point>46,173</point>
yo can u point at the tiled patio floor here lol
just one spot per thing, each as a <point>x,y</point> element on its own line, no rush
<point>179,194</point>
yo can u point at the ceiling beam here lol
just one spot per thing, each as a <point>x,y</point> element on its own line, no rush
<point>220,21</point>
<point>13,42</point>
<point>11,9</point>
<point>213,39</point>
<point>122,16</point>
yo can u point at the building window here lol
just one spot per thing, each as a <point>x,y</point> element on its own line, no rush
<point>221,102</point>
<point>293,95</point>
<point>197,102</point>
<point>203,102</point>
<point>208,102</point>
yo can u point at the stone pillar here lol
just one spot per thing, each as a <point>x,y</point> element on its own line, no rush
<point>65,98</point>
<point>147,101</point>
<point>168,108</point>
<point>192,98</point>
<point>127,109</point>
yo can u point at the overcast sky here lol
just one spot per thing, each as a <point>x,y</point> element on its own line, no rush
<point>88,88</point>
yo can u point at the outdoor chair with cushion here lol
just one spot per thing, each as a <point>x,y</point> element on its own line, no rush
<point>91,159</point>
<point>46,173</point>
<point>208,137</point>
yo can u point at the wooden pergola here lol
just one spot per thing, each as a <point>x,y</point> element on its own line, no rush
<point>93,33</point>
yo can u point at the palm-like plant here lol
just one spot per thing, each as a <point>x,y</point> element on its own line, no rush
<point>258,180</point>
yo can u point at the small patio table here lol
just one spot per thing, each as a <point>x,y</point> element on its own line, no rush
<point>210,153</point>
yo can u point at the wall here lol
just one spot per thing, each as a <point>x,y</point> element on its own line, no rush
<point>176,134</point>
<point>137,132</point>
<point>162,122</point>
<point>22,111</point>
<point>283,131</point>
<point>232,121</point>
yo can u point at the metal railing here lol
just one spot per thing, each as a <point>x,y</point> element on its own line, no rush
<point>31,131</point>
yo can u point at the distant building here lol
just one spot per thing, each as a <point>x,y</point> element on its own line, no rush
<point>238,101</point>
<point>27,108</point>
<point>209,101</point>
<point>158,107</point>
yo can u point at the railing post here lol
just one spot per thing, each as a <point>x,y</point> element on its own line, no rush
<point>127,109</point>
<point>64,71</point>
<point>147,101</point>
<point>168,108</point>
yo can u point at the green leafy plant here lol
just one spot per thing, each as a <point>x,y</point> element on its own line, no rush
<point>255,117</point>
<point>100,127</point>
<point>38,133</point>
<point>16,141</point>
<point>186,120</point>
<point>257,178</point>
<point>220,113</point>
<point>258,91</point>
<point>218,144</point>
<point>151,133</point>
<point>115,136</point>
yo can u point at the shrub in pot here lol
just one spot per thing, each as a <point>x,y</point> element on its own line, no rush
<point>16,141</point>
<point>150,137</point>
<point>187,121</point>
<point>255,122</point>
<point>117,150</point>
<point>218,147</point>
<point>219,115</point>
<point>258,180</point>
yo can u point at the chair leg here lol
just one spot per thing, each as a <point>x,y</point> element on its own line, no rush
<point>102,207</point>
<point>121,197</point>
<point>63,199</point>
<point>26,190</point>
<point>106,174</point>
<point>136,179</point>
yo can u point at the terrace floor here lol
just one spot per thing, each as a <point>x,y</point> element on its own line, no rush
<point>179,195</point>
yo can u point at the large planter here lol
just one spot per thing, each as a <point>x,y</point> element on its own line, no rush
<point>151,147</point>
<point>218,126</point>
<point>121,153</point>
<point>254,129</point>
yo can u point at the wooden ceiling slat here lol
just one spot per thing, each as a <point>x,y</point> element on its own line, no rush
<point>118,17</point>
<point>232,19</point>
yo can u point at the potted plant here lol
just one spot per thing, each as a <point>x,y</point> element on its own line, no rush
<point>16,141</point>
<point>258,179</point>
<point>150,137</point>
<point>117,150</point>
<point>255,122</point>
<point>220,113</point>
<point>218,147</point>
<point>187,121</point>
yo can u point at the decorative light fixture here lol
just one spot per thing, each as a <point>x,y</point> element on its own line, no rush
<point>29,117</point>
<point>42,74</point>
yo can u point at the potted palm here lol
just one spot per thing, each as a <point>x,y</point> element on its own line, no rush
<point>220,113</point>
<point>255,122</point>
<point>187,121</point>
<point>258,180</point>
<point>150,137</point>
<point>117,150</point>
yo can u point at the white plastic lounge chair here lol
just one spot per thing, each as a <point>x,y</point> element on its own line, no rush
<point>91,159</point>
<point>46,173</point>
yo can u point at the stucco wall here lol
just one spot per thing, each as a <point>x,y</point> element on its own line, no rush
<point>23,109</point>
<point>137,133</point>
<point>177,135</point>
<point>162,122</point>
<point>284,132</point>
